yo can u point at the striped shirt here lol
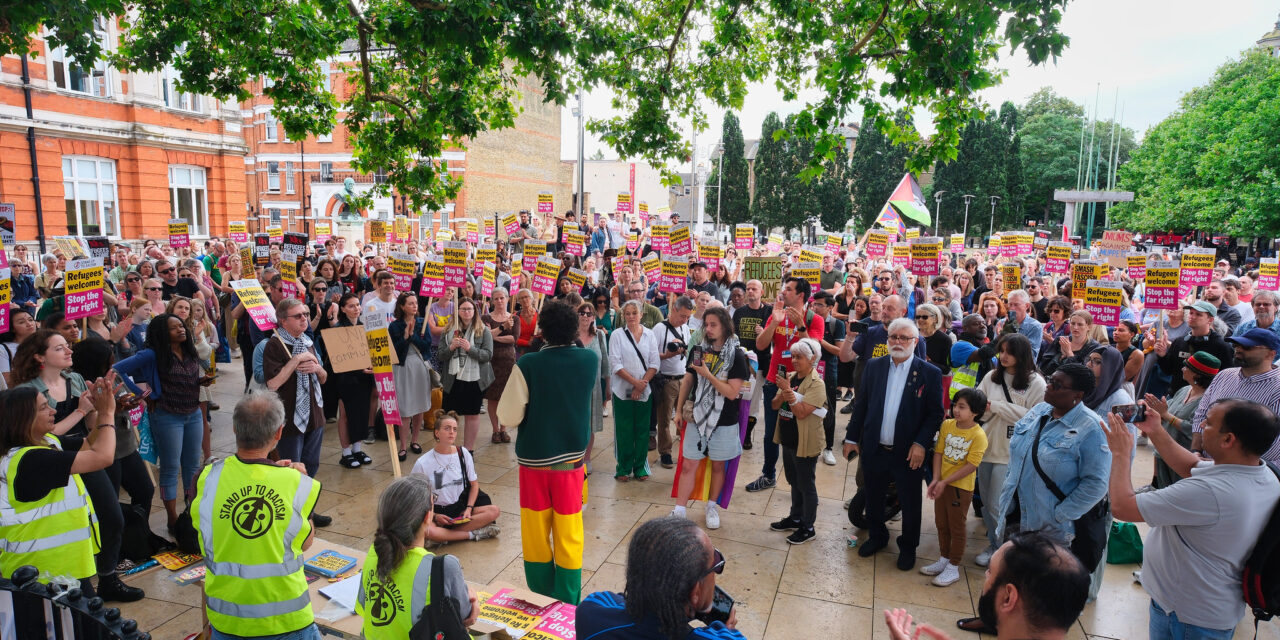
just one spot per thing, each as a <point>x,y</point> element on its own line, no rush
<point>1263,388</point>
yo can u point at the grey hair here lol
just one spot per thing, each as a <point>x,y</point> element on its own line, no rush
<point>933,310</point>
<point>48,257</point>
<point>683,302</point>
<point>905,324</point>
<point>633,303</point>
<point>1266,293</point>
<point>1019,294</point>
<point>401,510</point>
<point>808,347</point>
<point>285,306</point>
<point>256,419</point>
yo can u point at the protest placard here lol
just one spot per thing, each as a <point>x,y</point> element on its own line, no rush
<point>1103,299</point>
<point>1196,264</point>
<point>83,293</point>
<point>255,303</point>
<point>455,263</point>
<point>1161,285</point>
<point>926,256</point>
<point>179,236</point>
<point>675,271</point>
<point>546,202</point>
<point>238,231</point>
<point>546,271</point>
<point>403,267</point>
<point>433,278</point>
<point>744,236</point>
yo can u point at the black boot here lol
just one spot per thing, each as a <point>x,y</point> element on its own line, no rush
<point>321,520</point>
<point>751,425</point>
<point>112,589</point>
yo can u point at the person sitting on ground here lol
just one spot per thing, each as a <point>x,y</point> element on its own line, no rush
<point>464,512</point>
<point>671,579</point>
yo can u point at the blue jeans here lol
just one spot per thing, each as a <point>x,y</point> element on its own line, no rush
<point>178,438</point>
<point>770,467</point>
<point>1165,626</point>
<point>309,632</point>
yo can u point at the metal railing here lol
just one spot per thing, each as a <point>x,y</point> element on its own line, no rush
<point>66,613</point>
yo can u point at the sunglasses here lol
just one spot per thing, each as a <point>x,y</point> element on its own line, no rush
<point>586,314</point>
<point>718,566</point>
<point>165,272</point>
<point>154,289</point>
<point>319,288</point>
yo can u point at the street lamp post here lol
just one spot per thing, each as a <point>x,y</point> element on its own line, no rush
<point>992,227</point>
<point>580,113</point>
<point>967,199</point>
<point>719,181</point>
<point>937,211</point>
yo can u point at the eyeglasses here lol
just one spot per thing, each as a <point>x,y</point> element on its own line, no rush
<point>165,272</point>
<point>295,316</point>
<point>901,338</point>
<point>717,567</point>
<point>1095,361</point>
<point>154,289</point>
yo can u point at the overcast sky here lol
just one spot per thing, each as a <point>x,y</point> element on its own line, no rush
<point>1152,51</point>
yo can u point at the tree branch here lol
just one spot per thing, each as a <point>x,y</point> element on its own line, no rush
<point>870,32</point>
<point>675,39</point>
<point>366,71</point>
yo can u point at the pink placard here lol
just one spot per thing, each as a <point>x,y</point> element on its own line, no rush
<point>386,385</point>
<point>544,276</point>
<point>1161,298</point>
<point>432,279</point>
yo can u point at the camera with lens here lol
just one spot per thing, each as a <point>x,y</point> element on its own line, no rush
<point>675,345</point>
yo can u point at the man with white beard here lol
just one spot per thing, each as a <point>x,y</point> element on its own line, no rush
<point>897,412</point>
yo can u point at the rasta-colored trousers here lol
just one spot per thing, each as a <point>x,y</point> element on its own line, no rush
<point>551,531</point>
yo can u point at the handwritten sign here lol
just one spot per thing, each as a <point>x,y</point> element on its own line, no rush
<point>744,236</point>
<point>675,271</point>
<point>238,231</point>
<point>1103,298</point>
<point>1162,285</point>
<point>432,278</point>
<point>766,269</point>
<point>378,342</point>
<point>1114,247</point>
<point>347,349</point>
<point>1196,264</point>
<point>255,302</point>
<point>178,234</point>
<point>83,280</point>
<point>1058,257</point>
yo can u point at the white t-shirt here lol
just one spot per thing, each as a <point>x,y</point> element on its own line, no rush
<point>445,474</point>
<point>1245,309</point>
<point>373,303</point>
<point>6,356</point>
<point>1202,530</point>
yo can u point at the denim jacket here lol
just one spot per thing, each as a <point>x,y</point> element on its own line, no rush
<point>1073,452</point>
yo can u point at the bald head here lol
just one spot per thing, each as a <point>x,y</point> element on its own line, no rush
<point>892,308</point>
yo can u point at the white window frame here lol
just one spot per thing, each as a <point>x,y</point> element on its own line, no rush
<point>105,187</point>
<point>274,215</point>
<point>288,177</point>
<point>98,81</point>
<point>199,220</point>
<point>273,175</point>
<point>326,171</point>
<point>325,137</point>
<point>175,99</point>
<point>270,129</point>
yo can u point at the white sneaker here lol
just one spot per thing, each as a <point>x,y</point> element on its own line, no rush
<point>948,577</point>
<point>935,568</point>
<point>713,516</point>
<point>679,512</point>
<point>828,457</point>
<point>606,411</point>
<point>984,558</point>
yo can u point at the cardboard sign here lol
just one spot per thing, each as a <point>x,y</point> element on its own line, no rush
<point>1081,273</point>
<point>775,243</point>
<point>295,245</point>
<point>545,273</point>
<point>675,272</point>
<point>1010,277</point>
<point>652,266</point>
<point>1103,298</point>
<point>1196,264</point>
<point>957,243</point>
<point>575,242</point>
<point>744,236</point>
<point>485,253</point>
<point>276,233</point>
<point>178,233</point>
<point>6,297</point>
<point>681,244</point>
<point>660,237</point>
<point>766,269</point>
<point>238,231</point>
<point>324,231</point>
<point>1114,247</point>
<point>455,263</point>
<point>255,303</point>
<point>289,279</point>
<point>1162,285</point>
<point>926,256</point>
<point>1137,263</point>
<point>403,268</point>
<point>624,202</point>
<point>378,342</point>
<point>533,249</point>
<point>377,231</point>
<point>1269,274</point>
<point>901,254</point>
<point>488,278</point>
<point>347,349</point>
<point>546,202</point>
<point>433,278</point>
<point>710,253</point>
<point>877,243</point>
<point>8,218</point>
<point>99,249</point>
<point>510,223</point>
<point>811,271</point>
<point>83,280</point>
<point>1058,257</point>
<point>261,249</point>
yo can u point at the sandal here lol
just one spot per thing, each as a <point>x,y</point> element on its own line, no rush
<point>622,478</point>
<point>416,448</point>
<point>349,461</point>
<point>975,625</point>
<point>402,455</point>
<point>496,438</point>
<point>506,437</point>
<point>362,457</point>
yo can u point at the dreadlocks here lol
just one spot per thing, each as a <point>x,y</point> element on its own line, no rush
<point>665,560</point>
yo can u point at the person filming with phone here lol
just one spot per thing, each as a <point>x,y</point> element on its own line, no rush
<point>671,581</point>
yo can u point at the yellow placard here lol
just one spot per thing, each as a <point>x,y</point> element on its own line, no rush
<point>82,280</point>
<point>810,254</point>
<point>246,262</point>
<point>535,248</point>
<point>577,277</point>
<point>239,227</point>
<point>403,264</point>
<point>323,230</point>
<point>1162,277</point>
<point>402,228</point>
<point>377,231</point>
<point>547,269</point>
<point>1081,273</point>
<point>487,253</point>
<point>1197,260</point>
<point>275,233</point>
<point>455,254</point>
<point>679,233</point>
<point>1011,276</point>
<point>901,250</point>
<point>811,271</point>
<point>710,252</point>
<point>913,232</point>
<point>1268,268</point>
<point>660,231</point>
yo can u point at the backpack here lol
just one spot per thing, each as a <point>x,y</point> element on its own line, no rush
<point>1261,575</point>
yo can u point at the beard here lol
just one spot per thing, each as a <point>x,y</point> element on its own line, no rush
<point>899,352</point>
<point>987,609</point>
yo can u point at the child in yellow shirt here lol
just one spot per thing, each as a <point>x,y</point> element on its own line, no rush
<point>961,443</point>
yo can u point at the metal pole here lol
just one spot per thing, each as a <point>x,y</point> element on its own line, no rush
<point>35,166</point>
<point>719,184</point>
<point>582,187</point>
<point>967,199</point>
<point>695,213</point>
<point>991,228</point>
<point>937,210</point>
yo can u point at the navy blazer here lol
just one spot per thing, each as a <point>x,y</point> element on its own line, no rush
<point>919,414</point>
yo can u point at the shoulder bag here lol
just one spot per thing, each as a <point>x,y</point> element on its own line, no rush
<point>1091,528</point>
<point>440,619</point>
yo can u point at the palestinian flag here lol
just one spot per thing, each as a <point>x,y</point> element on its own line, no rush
<point>908,200</point>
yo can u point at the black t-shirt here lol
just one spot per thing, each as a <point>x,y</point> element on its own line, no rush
<point>739,369</point>
<point>185,287</point>
<point>45,469</point>
<point>1040,309</point>
<point>937,348</point>
<point>746,321</point>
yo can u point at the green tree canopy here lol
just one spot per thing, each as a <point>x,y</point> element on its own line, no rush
<point>980,169</point>
<point>1214,165</point>
<point>874,170</point>
<point>734,198</point>
<point>428,74</point>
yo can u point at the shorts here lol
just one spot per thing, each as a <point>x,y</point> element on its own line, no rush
<point>724,444</point>
<point>454,510</point>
